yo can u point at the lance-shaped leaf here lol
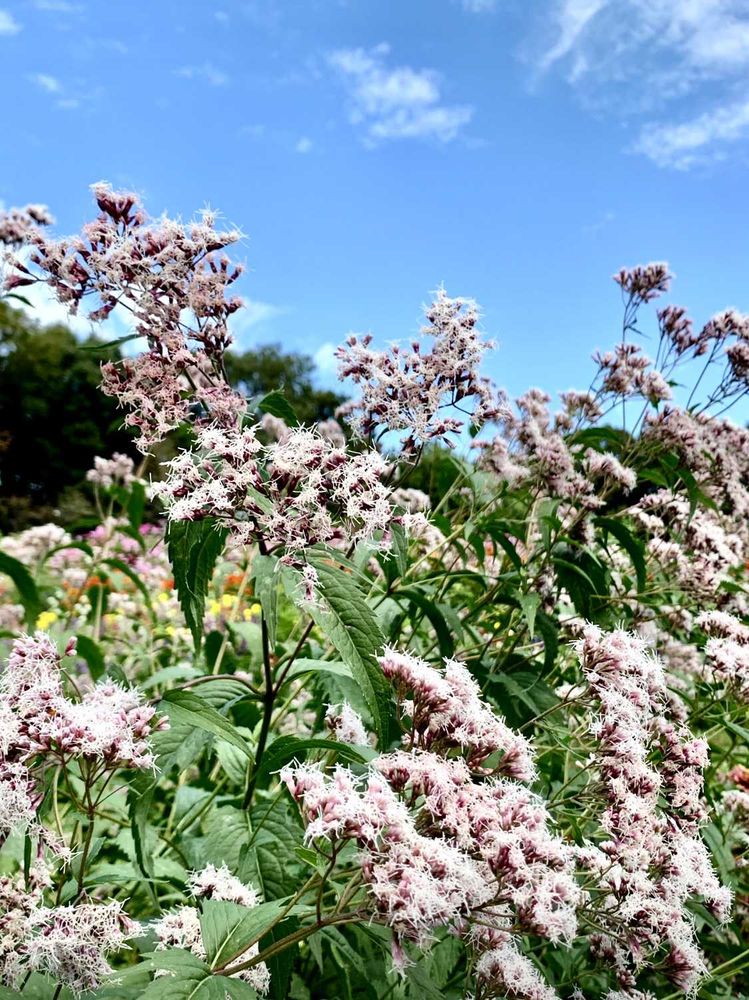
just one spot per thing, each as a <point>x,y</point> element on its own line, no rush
<point>349,623</point>
<point>194,547</point>
<point>188,708</point>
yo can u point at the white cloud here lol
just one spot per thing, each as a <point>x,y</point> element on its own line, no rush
<point>573,16</point>
<point>304,145</point>
<point>326,362</point>
<point>396,102</point>
<point>8,24</point>
<point>644,57</point>
<point>208,72</point>
<point>479,6</point>
<point>46,82</point>
<point>254,314</point>
<point>682,145</point>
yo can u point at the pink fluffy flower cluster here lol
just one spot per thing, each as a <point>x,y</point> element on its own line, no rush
<point>39,725</point>
<point>293,493</point>
<point>17,224</point>
<point>727,650</point>
<point>174,281</point>
<point>445,839</point>
<point>69,942</point>
<point>421,392</point>
<point>651,861</point>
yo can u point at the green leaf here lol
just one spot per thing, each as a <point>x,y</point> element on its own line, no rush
<point>305,666</point>
<point>106,344</point>
<point>176,672</point>
<point>351,626</point>
<point>530,603</point>
<point>265,575</point>
<point>188,708</point>
<point>550,635</point>
<point>632,545</point>
<point>271,861</point>
<point>194,547</point>
<point>228,929</point>
<point>278,405</point>
<point>221,692</point>
<point>286,748</point>
<point>232,761</point>
<point>139,804</point>
<point>187,980</point>
<point>89,651</point>
<point>227,834</point>
<point>136,505</point>
<point>28,595</point>
<point>180,745</point>
<point>426,605</point>
<point>399,548</point>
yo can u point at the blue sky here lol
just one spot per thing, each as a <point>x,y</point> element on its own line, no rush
<point>518,151</point>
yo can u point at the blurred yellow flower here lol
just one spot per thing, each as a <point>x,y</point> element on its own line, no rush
<point>45,619</point>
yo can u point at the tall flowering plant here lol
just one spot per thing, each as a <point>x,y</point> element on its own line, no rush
<point>316,732</point>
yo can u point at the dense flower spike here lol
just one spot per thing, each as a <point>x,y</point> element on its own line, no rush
<point>446,710</point>
<point>421,392</point>
<point>17,225</point>
<point>71,942</point>
<point>653,860</point>
<point>295,492</point>
<point>108,724</point>
<point>175,283</point>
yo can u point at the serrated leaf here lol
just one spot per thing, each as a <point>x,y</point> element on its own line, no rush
<point>271,861</point>
<point>228,831</point>
<point>426,605</point>
<point>189,978</point>
<point>106,344</point>
<point>136,505</point>
<point>194,547</point>
<point>179,746</point>
<point>530,603</point>
<point>348,622</point>
<point>189,708</point>
<point>139,801</point>
<point>228,929</point>
<point>231,760</point>
<point>306,666</point>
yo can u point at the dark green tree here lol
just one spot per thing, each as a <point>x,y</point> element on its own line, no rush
<point>53,417</point>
